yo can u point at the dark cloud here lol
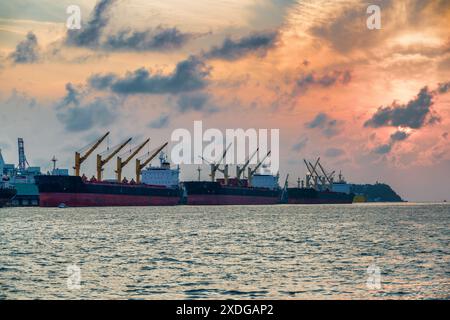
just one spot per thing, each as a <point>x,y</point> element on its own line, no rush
<point>304,82</point>
<point>383,149</point>
<point>90,34</point>
<point>399,136</point>
<point>72,96</point>
<point>161,122</point>
<point>189,75</point>
<point>396,137</point>
<point>443,87</point>
<point>159,39</point>
<point>300,145</point>
<point>196,101</point>
<point>230,49</point>
<point>415,114</point>
<point>328,126</point>
<point>445,135</point>
<point>77,116</point>
<point>334,152</point>
<point>27,50</point>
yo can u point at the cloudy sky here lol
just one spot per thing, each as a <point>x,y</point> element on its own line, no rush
<point>372,103</point>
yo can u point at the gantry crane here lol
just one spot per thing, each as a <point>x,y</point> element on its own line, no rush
<point>79,159</point>
<point>121,164</point>
<point>251,171</point>
<point>239,170</point>
<point>101,162</point>
<point>140,166</point>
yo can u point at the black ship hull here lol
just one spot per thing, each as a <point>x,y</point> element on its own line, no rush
<point>311,196</point>
<point>6,195</point>
<point>213,193</point>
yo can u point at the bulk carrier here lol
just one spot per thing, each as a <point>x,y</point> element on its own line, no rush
<point>320,188</point>
<point>256,189</point>
<point>154,186</point>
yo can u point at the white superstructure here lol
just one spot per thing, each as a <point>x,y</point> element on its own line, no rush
<point>162,175</point>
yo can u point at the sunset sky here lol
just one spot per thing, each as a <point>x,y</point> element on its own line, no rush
<point>372,103</point>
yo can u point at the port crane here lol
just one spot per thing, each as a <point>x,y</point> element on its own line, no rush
<point>101,162</point>
<point>140,166</point>
<point>79,159</point>
<point>121,164</point>
<point>251,171</point>
<point>215,166</point>
<point>239,170</point>
<point>23,163</point>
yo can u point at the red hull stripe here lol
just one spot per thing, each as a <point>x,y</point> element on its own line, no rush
<point>196,200</point>
<point>103,200</point>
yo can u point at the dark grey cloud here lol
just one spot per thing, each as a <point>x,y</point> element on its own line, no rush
<point>334,152</point>
<point>72,96</point>
<point>383,149</point>
<point>93,35</point>
<point>396,137</point>
<point>415,114</point>
<point>158,39</point>
<point>443,87</point>
<point>328,126</point>
<point>195,101</point>
<point>161,122</point>
<point>78,116</point>
<point>399,136</point>
<point>331,78</point>
<point>27,51</point>
<point>90,33</point>
<point>257,43</point>
<point>189,75</point>
<point>300,145</point>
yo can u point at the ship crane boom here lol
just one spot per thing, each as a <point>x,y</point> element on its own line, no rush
<point>121,164</point>
<point>79,159</point>
<point>101,162</point>
<point>140,166</point>
<point>252,172</point>
<point>240,171</point>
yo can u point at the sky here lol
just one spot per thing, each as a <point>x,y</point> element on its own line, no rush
<point>372,103</point>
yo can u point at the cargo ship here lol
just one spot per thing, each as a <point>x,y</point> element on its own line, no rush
<point>21,177</point>
<point>257,189</point>
<point>218,193</point>
<point>154,186</point>
<point>320,188</point>
<point>74,191</point>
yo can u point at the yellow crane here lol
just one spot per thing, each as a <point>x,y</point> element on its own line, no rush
<point>121,164</point>
<point>140,166</point>
<point>79,159</point>
<point>101,162</point>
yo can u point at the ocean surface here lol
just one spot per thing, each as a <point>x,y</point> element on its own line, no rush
<point>359,251</point>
